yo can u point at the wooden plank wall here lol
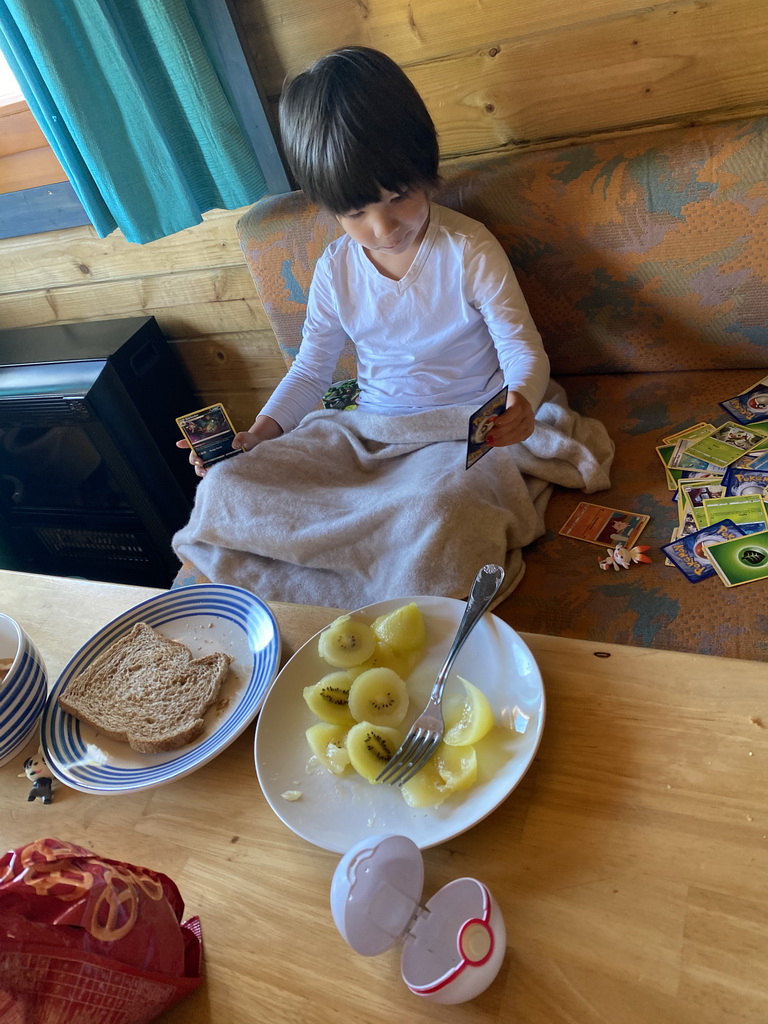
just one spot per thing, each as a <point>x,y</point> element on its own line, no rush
<point>496,74</point>
<point>26,159</point>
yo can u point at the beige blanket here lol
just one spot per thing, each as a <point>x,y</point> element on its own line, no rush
<point>352,507</point>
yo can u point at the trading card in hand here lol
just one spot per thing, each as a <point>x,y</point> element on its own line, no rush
<point>481,424</point>
<point>210,433</point>
<point>751,405</point>
<point>689,554</point>
<point>742,560</point>
<point>728,443</point>
<point>607,527</point>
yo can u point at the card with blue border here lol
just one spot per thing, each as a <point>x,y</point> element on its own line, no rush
<point>689,553</point>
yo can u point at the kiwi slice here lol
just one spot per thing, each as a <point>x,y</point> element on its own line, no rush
<point>329,698</point>
<point>384,656</point>
<point>448,770</point>
<point>426,788</point>
<point>470,720</point>
<point>378,696</point>
<point>456,766</point>
<point>328,743</point>
<point>402,629</point>
<point>371,747</point>
<point>346,642</point>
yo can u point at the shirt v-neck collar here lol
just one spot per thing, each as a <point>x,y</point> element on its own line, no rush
<point>419,259</point>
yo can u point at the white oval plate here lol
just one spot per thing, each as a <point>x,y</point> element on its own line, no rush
<point>207,618</point>
<point>336,812</point>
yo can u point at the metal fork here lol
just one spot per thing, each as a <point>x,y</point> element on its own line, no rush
<point>427,731</point>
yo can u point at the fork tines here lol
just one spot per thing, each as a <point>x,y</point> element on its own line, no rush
<point>417,749</point>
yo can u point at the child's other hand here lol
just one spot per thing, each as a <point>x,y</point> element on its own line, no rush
<point>263,428</point>
<point>194,460</point>
<point>245,440</point>
<point>515,424</point>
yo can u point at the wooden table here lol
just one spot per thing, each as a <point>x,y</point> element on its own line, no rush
<point>630,864</point>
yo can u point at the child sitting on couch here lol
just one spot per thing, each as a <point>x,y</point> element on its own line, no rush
<point>427,295</point>
<point>324,499</point>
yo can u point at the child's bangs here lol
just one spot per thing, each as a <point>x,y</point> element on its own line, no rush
<point>352,184</point>
<point>351,189</point>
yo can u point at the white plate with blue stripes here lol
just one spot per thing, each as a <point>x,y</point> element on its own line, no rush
<point>207,618</point>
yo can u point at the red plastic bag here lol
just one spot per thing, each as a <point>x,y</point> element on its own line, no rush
<point>92,940</point>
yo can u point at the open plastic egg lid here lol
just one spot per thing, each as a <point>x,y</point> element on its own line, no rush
<point>452,948</point>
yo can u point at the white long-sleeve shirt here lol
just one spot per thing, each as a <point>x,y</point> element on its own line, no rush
<point>452,331</point>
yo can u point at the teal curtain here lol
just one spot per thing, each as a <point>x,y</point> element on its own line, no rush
<point>131,104</point>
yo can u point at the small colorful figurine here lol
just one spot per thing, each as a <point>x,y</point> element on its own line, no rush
<point>622,557</point>
<point>36,770</point>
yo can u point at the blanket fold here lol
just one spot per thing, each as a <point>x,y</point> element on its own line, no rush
<point>350,508</point>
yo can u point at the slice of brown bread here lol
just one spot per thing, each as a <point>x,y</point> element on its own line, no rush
<point>147,690</point>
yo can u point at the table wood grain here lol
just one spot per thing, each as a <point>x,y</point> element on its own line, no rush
<point>630,863</point>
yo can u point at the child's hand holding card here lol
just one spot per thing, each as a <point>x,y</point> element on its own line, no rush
<point>210,433</point>
<point>480,425</point>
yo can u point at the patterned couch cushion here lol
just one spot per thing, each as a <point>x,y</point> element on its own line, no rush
<point>565,593</point>
<point>282,237</point>
<point>645,253</point>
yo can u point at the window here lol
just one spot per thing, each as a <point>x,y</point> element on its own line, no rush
<point>9,87</point>
<point>34,192</point>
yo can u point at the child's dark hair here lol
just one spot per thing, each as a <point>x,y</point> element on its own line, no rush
<point>353,124</point>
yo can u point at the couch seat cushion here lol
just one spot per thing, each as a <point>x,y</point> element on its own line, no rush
<point>564,591</point>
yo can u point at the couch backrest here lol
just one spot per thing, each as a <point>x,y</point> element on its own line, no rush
<point>643,253</point>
